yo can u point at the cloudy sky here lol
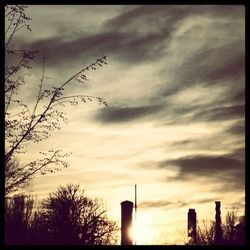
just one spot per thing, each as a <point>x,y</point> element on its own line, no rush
<point>175,88</point>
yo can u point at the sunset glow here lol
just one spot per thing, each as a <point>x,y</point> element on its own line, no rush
<point>175,121</point>
<point>143,233</point>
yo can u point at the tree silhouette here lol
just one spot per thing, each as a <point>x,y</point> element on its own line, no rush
<point>234,228</point>
<point>32,123</point>
<point>18,217</point>
<point>73,218</point>
<point>66,217</point>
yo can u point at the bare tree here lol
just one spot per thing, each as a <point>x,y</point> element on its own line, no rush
<point>73,218</point>
<point>205,233</point>
<point>33,123</point>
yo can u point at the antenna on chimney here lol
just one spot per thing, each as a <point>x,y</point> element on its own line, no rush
<point>135,210</point>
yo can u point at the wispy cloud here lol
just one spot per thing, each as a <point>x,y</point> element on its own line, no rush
<point>161,204</point>
<point>173,204</point>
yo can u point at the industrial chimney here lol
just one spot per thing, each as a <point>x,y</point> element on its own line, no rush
<point>218,229</point>
<point>192,225</point>
<point>126,222</point>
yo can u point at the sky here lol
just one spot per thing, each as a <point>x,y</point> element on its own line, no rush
<point>175,125</point>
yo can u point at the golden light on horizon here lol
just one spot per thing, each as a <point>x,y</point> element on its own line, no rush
<point>142,231</point>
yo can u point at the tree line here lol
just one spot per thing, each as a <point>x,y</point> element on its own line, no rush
<point>66,217</point>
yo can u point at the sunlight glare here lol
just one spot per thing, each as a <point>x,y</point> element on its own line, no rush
<point>142,232</point>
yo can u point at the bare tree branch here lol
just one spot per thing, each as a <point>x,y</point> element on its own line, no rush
<point>23,125</point>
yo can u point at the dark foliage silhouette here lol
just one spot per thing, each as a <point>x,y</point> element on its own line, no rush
<point>74,218</point>
<point>66,217</point>
<point>234,229</point>
<point>18,219</point>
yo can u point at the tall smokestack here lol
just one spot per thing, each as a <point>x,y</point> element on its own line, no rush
<point>126,222</point>
<point>218,229</point>
<point>135,225</point>
<point>192,225</point>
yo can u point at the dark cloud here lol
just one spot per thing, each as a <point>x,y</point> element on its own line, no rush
<point>204,165</point>
<point>237,129</point>
<point>209,67</point>
<point>215,111</point>
<point>214,143</point>
<point>233,67</point>
<point>220,113</point>
<point>224,173</point>
<point>239,97</point>
<point>125,114</point>
<point>238,153</point>
<point>212,63</point>
<point>121,38</point>
<point>128,47</point>
<point>120,42</point>
<point>148,19</point>
<point>231,105</point>
<point>168,15</point>
<point>129,17</point>
<point>222,169</point>
<point>170,114</point>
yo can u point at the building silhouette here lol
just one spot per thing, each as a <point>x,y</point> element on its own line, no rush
<point>218,229</point>
<point>192,225</point>
<point>126,222</point>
